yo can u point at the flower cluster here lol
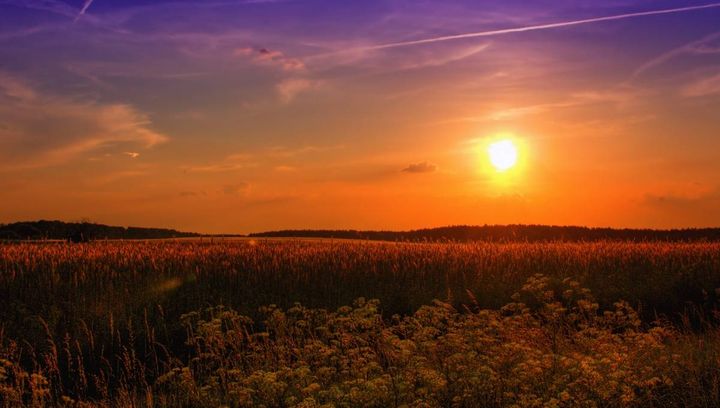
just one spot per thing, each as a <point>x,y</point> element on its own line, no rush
<point>102,324</point>
<point>550,348</point>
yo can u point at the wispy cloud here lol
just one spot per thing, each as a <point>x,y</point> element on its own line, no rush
<point>231,163</point>
<point>251,159</point>
<point>371,62</point>
<point>537,27</point>
<point>285,152</point>
<point>698,47</point>
<point>693,209</point>
<point>621,96</point>
<point>83,9</point>
<point>236,189</point>
<point>264,56</point>
<point>703,87</point>
<point>52,6</point>
<point>423,167</point>
<point>521,111</point>
<point>290,88</point>
<point>62,8</point>
<point>132,11</point>
<point>116,176</point>
<point>45,129</point>
<point>218,167</point>
<point>26,32</point>
<point>16,89</point>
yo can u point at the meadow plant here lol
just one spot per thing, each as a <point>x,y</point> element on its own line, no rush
<point>181,324</point>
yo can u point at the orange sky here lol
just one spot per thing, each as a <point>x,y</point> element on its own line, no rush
<point>136,116</point>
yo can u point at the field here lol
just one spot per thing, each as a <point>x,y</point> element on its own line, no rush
<point>315,323</point>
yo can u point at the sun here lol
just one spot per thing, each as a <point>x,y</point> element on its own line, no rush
<point>503,154</point>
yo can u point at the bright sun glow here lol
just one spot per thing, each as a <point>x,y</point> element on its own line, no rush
<point>503,154</point>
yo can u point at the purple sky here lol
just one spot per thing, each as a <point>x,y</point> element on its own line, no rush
<point>239,116</point>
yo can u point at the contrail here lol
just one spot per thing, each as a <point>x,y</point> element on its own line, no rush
<point>83,9</point>
<point>538,27</point>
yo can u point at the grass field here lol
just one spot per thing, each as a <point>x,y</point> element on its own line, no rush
<point>291,323</point>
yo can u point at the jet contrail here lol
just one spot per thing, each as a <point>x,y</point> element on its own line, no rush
<point>538,27</point>
<point>82,10</point>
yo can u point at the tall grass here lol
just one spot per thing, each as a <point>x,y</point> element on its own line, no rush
<point>122,323</point>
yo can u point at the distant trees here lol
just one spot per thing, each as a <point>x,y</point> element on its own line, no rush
<point>82,231</point>
<point>509,233</point>
<point>79,233</point>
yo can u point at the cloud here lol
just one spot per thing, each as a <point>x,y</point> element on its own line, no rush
<point>16,89</point>
<point>703,87</point>
<point>192,193</point>
<point>236,189</point>
<point>40,129</point>
<point>274,58</point>
<point>265,156</point>
<point>702,46</point>
<point>119,175</point>
<point>618,97</point>
<point>289,89</point>
<point>437,58</point>
<point>83,9</point>
<point>130,11</point>
<point>282,151</point>
<point>233,162</point>
<point>132,155</point>
<point>698,209</point>
<point>521,111</point>
<point>423,167</point>
<point>537,27</point>
<point>218,168</point>
<point>52,6</point>
<point>372,61</point>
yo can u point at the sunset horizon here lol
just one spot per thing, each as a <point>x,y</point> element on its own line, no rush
<point>246,116</point>
<point>359,204</point>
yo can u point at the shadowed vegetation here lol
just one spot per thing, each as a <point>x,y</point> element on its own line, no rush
<point>556,324</point>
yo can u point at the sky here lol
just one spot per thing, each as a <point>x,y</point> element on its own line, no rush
<point>232,116</point>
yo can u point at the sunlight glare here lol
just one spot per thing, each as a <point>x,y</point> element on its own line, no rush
<point>503,154</point>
